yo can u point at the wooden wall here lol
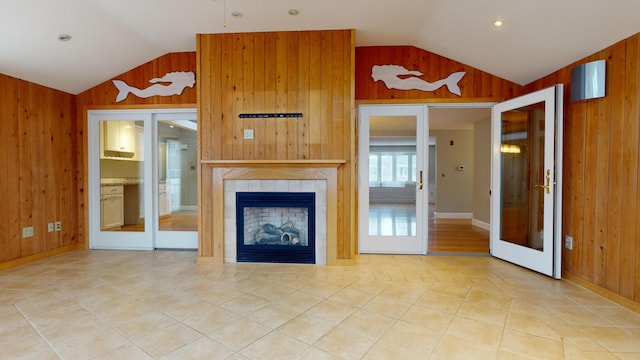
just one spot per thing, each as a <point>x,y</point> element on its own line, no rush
<point>39,169</point>
<point>475,86</point>
<point>601,174</point>
<point>103,96</point>
<point>302,71</point>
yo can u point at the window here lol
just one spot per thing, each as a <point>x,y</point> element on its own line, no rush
<point>391,167</point>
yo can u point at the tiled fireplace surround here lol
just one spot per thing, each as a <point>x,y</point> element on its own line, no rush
<point>316,176</point>
<point>319,187</point>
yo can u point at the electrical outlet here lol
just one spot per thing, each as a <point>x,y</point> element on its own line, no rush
<point>49,227</point>
<point>58,225</point>
<point>568,242</point>
<point>248,134</point>
<point>27,232</point>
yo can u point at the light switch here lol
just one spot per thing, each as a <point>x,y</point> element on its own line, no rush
<point>248,134</point>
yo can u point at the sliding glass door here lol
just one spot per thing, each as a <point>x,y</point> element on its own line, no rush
<point>176,181</point>
<point>142,179</point>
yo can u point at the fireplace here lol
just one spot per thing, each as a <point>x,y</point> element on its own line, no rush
<point>275,227</point>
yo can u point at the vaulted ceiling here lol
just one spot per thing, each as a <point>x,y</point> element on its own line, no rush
<point>109,37</point>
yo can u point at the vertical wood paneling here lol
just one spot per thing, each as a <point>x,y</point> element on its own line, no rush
<point>630,148</point>
<point>591,167</point>
<point>577,183</point>
<point>325,95</point>
<point>315,98</point>
<point>259,95</point>
<point>10,247</point>
<point>226,105</point>
<point>617,71</point>
<point>283,138</point>
<point>26,134</point>
<point>271,74</point>
<point>248,96</point>
<point>602,182</point>
<point>601,173</point>
<point>476,85</point>
<point>298,71</point>
<point>237,79</point>
<point>206,135</point>
<point>293,94</point>
<point>303,91</point>
<point>37,160</point>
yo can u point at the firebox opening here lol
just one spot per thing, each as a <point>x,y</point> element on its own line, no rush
<point>275,227</point>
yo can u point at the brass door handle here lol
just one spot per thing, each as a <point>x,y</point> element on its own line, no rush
<point>420,184</point>
<point>548,180</point>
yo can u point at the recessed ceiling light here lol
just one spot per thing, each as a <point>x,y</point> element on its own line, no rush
<point>498,23</point>
<point>294,12</point>
<point>236,14</point>
<point>64,37</point>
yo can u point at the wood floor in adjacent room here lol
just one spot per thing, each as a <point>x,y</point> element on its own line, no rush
<point>457,236</point>
<point>446,236</point>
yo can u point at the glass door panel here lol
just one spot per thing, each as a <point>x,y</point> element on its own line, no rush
<point>391,213</point>
<point>522,160</point>
<point>526,208</point>
<point>117,178</point>
<point>177,197</point>
<point>143,179</point>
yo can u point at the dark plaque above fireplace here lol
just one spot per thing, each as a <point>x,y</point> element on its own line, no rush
<point>275,227</point>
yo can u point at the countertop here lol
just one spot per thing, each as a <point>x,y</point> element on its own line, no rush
<point>120,181</point>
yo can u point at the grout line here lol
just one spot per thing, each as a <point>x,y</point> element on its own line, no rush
<point>37,331</point>
<point>104,322</point>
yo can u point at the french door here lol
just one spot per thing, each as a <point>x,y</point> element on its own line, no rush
<point>142,179</point>
<point>526,207</point>
<point>392,179</point>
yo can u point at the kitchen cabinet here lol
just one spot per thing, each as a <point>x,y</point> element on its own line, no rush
<point>138,154</point>
<point>118,139</point>
<point>111,206</point>
<point>164,200</point>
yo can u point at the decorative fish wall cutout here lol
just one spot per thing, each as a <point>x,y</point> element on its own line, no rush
<point>390,75</point>
<point>178,81</point>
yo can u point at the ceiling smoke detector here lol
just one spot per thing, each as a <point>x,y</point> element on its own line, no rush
<point>293,12</point>
<point>64,37</point>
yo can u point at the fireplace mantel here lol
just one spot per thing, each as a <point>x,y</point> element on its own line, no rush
<point>222,170</point>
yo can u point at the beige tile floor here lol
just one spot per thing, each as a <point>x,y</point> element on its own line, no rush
<point>162,305</point>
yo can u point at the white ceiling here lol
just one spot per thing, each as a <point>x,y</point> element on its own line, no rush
<point>113,36</point>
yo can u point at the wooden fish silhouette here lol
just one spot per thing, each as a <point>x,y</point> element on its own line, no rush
<point>390,75</point>
<point>178,81</point>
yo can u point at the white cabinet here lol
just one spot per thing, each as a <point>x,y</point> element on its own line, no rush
<point>164,200</point>
<point>111,206</point>
<point>138,153</point>
<point>119,139</point>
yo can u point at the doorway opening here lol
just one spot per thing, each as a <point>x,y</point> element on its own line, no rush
<point>460,163</point>
<point>142,179</point>
<point>450,176</point>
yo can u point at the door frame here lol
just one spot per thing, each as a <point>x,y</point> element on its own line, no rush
<point>362,215</point>
<point>144,240</point>
<point>520,255</point>
<point>409,246</point>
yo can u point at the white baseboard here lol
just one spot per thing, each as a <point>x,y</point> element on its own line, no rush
<point>443,215</point>
<point>193,208</point>
<point>481,224</point>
